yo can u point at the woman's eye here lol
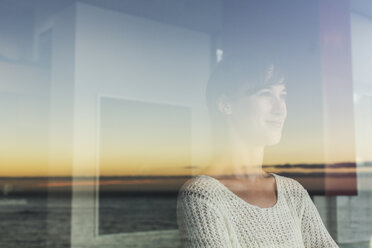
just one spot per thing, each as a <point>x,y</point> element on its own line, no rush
<point>264,93</point>
<point>283,95</point>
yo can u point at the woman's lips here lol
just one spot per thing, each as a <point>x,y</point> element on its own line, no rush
<point>274,123</point>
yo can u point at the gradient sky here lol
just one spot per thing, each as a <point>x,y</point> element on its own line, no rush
<point>125,96</point>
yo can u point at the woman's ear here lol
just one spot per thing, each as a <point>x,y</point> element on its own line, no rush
<point>224,105</point>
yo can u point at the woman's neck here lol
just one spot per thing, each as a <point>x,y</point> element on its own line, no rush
<point>237,159</point>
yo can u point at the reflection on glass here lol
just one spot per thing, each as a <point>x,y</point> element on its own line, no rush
<point>81,170</point>
<point>142,146</point>
<point>235,202</point>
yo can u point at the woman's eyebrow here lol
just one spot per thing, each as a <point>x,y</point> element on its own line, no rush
<point>281,86</point>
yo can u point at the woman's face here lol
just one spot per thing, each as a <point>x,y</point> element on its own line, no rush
<point>258,118</point>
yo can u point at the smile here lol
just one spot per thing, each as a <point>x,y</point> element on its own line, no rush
<point>274,123</point>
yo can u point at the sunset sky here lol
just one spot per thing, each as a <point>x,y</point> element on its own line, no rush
<point>128,106</point>
<point>139,138</point>
<point>125,136</point>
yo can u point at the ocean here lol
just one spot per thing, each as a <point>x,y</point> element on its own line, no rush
<point>29,221</point>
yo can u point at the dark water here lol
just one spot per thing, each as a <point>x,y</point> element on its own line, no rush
<point>137,213</point>
<point>27,222</point>
<point>23,222</point>
<point>33,221</point>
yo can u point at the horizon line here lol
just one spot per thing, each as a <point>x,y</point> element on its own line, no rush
<point>287,166</point>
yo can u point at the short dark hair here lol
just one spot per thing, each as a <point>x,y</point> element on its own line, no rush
<point>227,78</point>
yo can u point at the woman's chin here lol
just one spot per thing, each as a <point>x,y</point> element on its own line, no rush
<point>273,140</point>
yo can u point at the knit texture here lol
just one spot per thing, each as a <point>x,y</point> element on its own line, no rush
<point>210,215</point>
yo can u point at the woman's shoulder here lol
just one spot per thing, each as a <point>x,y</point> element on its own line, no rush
<point>199,183</point>
<point>288,181</point>
<point>291,187</point>
<point>200,186</point>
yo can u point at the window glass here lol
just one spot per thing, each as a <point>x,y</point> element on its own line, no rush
<point>110,110</point>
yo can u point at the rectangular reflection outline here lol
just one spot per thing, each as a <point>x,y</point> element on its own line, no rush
<point>168,236</point>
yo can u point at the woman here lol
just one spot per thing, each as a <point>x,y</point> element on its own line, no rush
<point>235,203</point>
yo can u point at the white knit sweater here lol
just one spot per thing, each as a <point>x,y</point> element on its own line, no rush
<point>210,215</point>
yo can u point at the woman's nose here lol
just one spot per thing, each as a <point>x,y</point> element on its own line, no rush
<point>278,106</point>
